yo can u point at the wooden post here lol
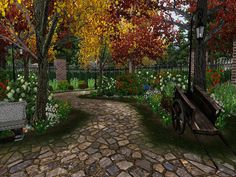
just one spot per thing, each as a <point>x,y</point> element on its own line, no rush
<point>233,75</point>
<point>130,67</point>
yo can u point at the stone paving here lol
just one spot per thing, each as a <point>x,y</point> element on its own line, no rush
<point>112,143</point>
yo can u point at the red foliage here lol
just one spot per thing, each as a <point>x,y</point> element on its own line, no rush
<point>147,40</point>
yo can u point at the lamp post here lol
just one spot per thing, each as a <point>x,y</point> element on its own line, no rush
<point>200,47</point>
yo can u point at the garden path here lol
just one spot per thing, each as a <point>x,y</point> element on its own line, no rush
<point>113,143</point>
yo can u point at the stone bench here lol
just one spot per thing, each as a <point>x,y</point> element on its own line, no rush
<point>13,117</point>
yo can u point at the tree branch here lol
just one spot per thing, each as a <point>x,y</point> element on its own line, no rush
<point>18,45</point>
<point>214,31</point>
<point>180,25</point>
<point>50,35</point>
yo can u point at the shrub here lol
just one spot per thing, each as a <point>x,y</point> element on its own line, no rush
<point>128,85</point>
<point>155,101</point>
<point>22,90</point>
<point>91,83</point>
<point>63,85</point>
<point>177,79</point>
<point>225,96</point>
<point>26,91</point>
<point>53,84</point>
<point>75,83</point>
<point>107,87</point>
<point>146,79</point>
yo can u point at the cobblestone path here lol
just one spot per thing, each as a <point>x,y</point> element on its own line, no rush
<point>112,143</point>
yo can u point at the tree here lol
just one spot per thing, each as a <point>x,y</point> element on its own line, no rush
<point>213,11</point>
<point>39,24</point>
<point>141,32</point>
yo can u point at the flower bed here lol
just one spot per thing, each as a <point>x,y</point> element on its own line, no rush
<point>22,90</point>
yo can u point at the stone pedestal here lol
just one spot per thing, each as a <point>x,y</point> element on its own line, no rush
<point>233,77</point>
<point>61,70</point>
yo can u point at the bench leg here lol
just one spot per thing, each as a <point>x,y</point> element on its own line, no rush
<point>18,134</point>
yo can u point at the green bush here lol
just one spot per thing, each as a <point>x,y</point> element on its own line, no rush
<point>155,101</point>
<point>91,83</point>
<point>22,90</point>
<point>75,83</point>
<point>225,96</point>
<point>63,85</point>
<point>53,84</point>
<point>108,86</point>
<point>64,108</point>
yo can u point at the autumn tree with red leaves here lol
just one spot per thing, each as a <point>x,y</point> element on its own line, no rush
<point>143,32</point>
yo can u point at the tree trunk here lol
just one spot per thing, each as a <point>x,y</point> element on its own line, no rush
<point>233,77</point>
<point>42,92</point>
<point>130,66</point>
<point>200,50</point>
<point>26,67</point>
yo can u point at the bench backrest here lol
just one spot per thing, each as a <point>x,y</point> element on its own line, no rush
<point>206,104</point>
<point>12,115</point>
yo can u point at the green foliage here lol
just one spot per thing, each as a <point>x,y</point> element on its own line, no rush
<point>63,85</point>
<point>4,75</point>
<point>41,126</point>
<point>91,83</point>
<point>53,84</point>
<point>75,83</point>
<point>225,95</point>
<point>22,90</point>
<point>64,108</point>
<point>128,84</point>
<point>107,87</point>
<point>154,99</point>
<point>146,78</point>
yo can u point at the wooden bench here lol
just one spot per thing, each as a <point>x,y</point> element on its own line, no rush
<point>13,117</point>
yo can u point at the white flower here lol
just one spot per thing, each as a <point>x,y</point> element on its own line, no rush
<point>139,72</point>
<point>22,81</point>
<point>22,95</point>
<point>35,89</point>
<point>155,77</point>
<point>8,88</point>
<point>17,90</point>
<point>179,79</point>
<point>147,72</point>
<point>20,99</point>
<point>10,95</point>
<point>24,87</point>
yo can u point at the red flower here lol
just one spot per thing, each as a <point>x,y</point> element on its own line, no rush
<point>209,70</point>
<point>3,86</point>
